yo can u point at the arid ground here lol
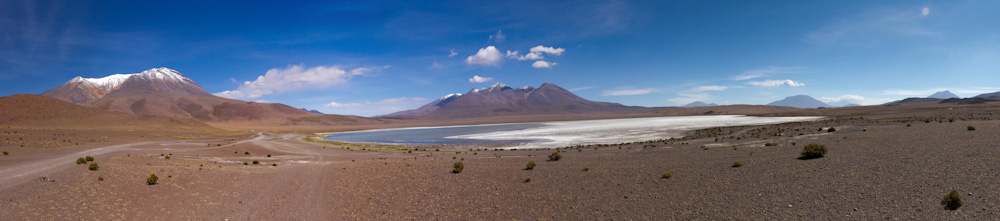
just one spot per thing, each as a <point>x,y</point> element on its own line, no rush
<point>883,163</point>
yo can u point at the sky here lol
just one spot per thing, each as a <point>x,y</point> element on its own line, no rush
<point>376,57</point>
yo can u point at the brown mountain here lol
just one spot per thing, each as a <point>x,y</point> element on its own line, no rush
<point>29,110</point>
<point>502,100</point>
<point>166,92</point>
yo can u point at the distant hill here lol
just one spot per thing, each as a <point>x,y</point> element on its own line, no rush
<point>912,100</point>
<point>312,111</point>
<point>842,103</point>
<point>800,101</point>
<point>994,94</point>
<point>939,96</point>
<point>943,95</point>
<point>166,92</point>
<point>700,104</point>
<point>502,100</point>
<point>31,110</point>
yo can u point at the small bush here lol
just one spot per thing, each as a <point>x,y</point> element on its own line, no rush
<point>151,179</point>
<point>274,164</point>
<point>528,179</point>
<point>90,158</point>
<point>531,165</point>
<point>256,162</point>
<point>666,176</point>
<point>100,178</point>
<point>812,150</point>
<point>952,201</point>
<point>5,153</point>
<point>831,130</point>
<point>737,164</point>
<point>269,155</point>
<point>767,145</point>
<point>970,128</point>
<point>585,169</point>
<point>458,167</point>
<point>246,153</point>
<point>81,160</point>
<point>93,166</point>
<point>555,156</point>
<point>166,157</point>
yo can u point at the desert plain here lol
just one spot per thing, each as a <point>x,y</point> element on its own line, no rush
<point>883,162</point>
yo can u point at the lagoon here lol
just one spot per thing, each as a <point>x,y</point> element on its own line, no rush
<point>558,133</point>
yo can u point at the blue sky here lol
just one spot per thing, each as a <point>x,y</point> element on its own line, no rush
<point>376,57</point>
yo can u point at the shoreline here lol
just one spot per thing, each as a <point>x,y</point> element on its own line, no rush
<point>684,126</point>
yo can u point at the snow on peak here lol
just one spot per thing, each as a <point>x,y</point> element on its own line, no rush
<point>450,95</point>
<point>109,82</point>
<point>112,82</point>
<point>162,74</point>
<point>498,87</point>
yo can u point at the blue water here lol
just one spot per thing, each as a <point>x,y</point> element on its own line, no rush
<point>433,135</point>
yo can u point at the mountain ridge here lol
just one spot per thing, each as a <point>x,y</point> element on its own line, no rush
<point>166,92</point>
<point>503,100</point>
<point>800,101</point>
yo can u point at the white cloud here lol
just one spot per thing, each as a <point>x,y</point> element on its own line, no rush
<point>581,88</point>
<point>530,56</point>
<point>776,83</point>
<point>294,78</point>
<point>453,53</point>
<point>499,37</point>
<point>543,64</point>
<point>853,99</point>
<point>925,11</point>
<point>535,53</point>
<point>478,79</point>
<point>488,56</point>
<point>709,88</point>
<point>547,50</point>
<point>512,54</point>
<point>266,101</point>
<point>343,105</point>
<point>767,71</point>
<point>689,98</point>
<point>380,104</point>
<point>628,91</point>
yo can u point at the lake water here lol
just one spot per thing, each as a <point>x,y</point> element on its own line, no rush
<point>558,133</point>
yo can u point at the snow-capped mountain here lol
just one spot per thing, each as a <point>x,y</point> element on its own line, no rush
<point>166,92</point>
<point>503,100</point>
<point>156,80</point>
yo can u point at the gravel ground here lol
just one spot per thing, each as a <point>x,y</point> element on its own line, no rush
<point>883,163</point>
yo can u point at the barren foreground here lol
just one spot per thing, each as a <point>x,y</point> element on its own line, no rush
<point>880,164</point>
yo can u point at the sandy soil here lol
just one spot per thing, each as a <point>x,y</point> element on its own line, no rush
<point>883,163</point>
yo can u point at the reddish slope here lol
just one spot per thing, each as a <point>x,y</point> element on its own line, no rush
<point>28,110</point>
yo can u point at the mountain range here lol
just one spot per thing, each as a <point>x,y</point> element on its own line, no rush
<point>503,100</point>
<point>700,104</point>
<point>166,92</point>
<point>800,101</point>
